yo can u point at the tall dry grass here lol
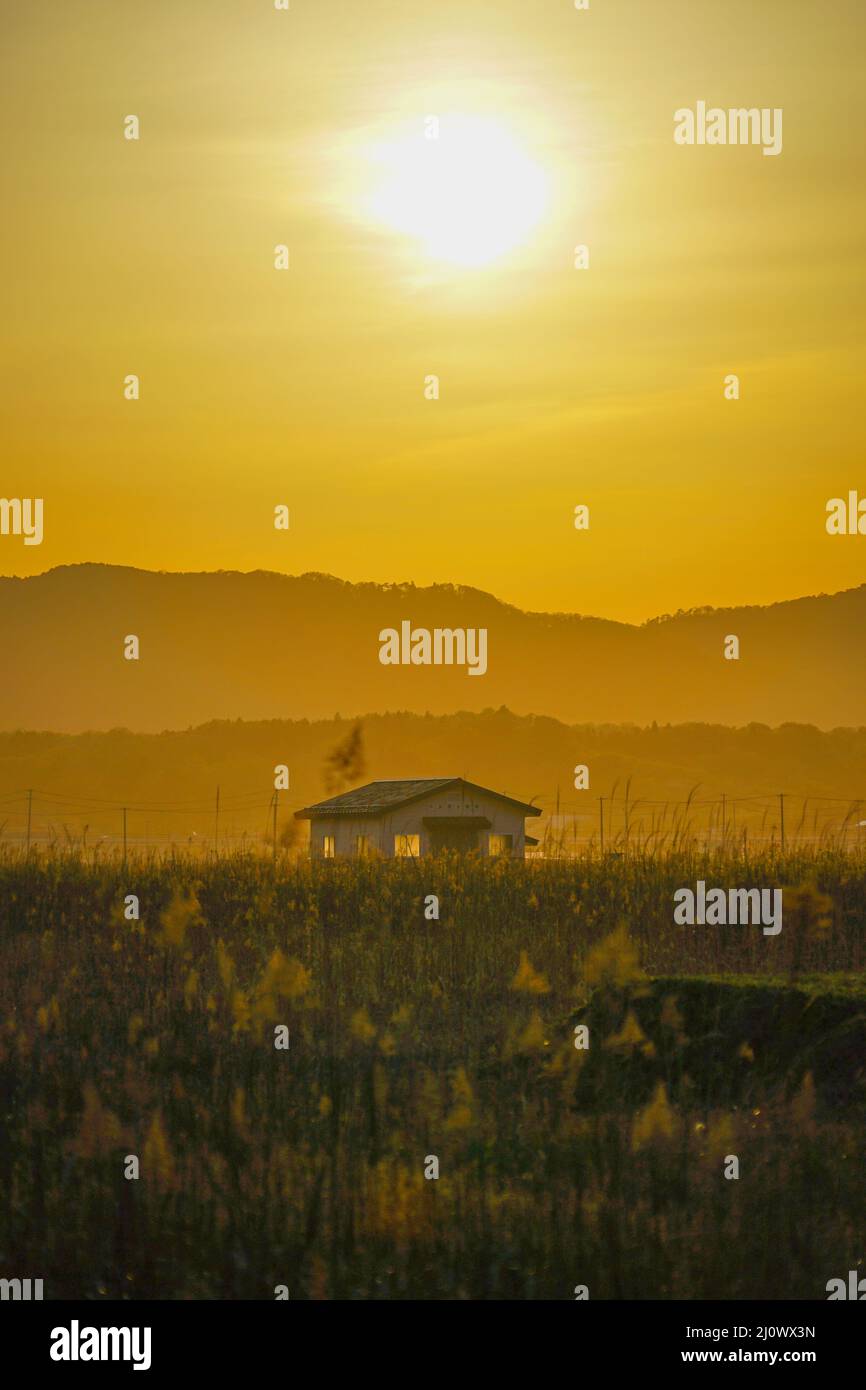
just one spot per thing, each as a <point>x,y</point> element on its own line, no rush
<point>408,1038</point>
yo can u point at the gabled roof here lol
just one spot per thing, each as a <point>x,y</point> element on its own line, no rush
<point>376,798</point>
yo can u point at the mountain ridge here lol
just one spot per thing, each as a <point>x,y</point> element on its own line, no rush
<point>260,644</point>
<point>444,586</point>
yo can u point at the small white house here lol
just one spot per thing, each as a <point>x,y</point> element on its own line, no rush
<point>410,819</point>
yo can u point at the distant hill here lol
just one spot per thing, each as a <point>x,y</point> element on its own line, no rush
<point>169,780</point>
<point>262,646</point>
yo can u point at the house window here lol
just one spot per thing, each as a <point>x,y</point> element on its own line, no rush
<point>501,844</point>
<point>362,846</point>
<point>407,846</point>
<point>327,847</point>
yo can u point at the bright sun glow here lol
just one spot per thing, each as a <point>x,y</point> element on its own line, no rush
<point>469,195</point>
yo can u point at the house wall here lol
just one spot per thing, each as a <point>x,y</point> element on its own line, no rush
<point>409,820</point>
<point>344,829</point>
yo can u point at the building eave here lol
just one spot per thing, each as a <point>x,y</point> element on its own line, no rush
<point>331,809</point>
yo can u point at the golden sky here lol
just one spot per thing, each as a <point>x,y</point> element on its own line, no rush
<point>558,386</point>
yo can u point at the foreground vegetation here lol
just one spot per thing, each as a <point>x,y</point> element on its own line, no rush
<point>410,1038</point>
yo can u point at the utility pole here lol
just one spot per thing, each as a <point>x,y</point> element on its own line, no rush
<point>124,834</point>
<point>782,820</point>
<point>724,822</point>
<point>601,823</point>
<point>216,824</point>
<point>29,816</point>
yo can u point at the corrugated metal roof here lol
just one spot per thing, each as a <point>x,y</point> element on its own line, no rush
<point>377,797</point>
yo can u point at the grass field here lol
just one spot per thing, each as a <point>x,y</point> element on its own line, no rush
<point>411,1039</point>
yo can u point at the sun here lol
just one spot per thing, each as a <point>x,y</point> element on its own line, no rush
<point>463,187</point>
